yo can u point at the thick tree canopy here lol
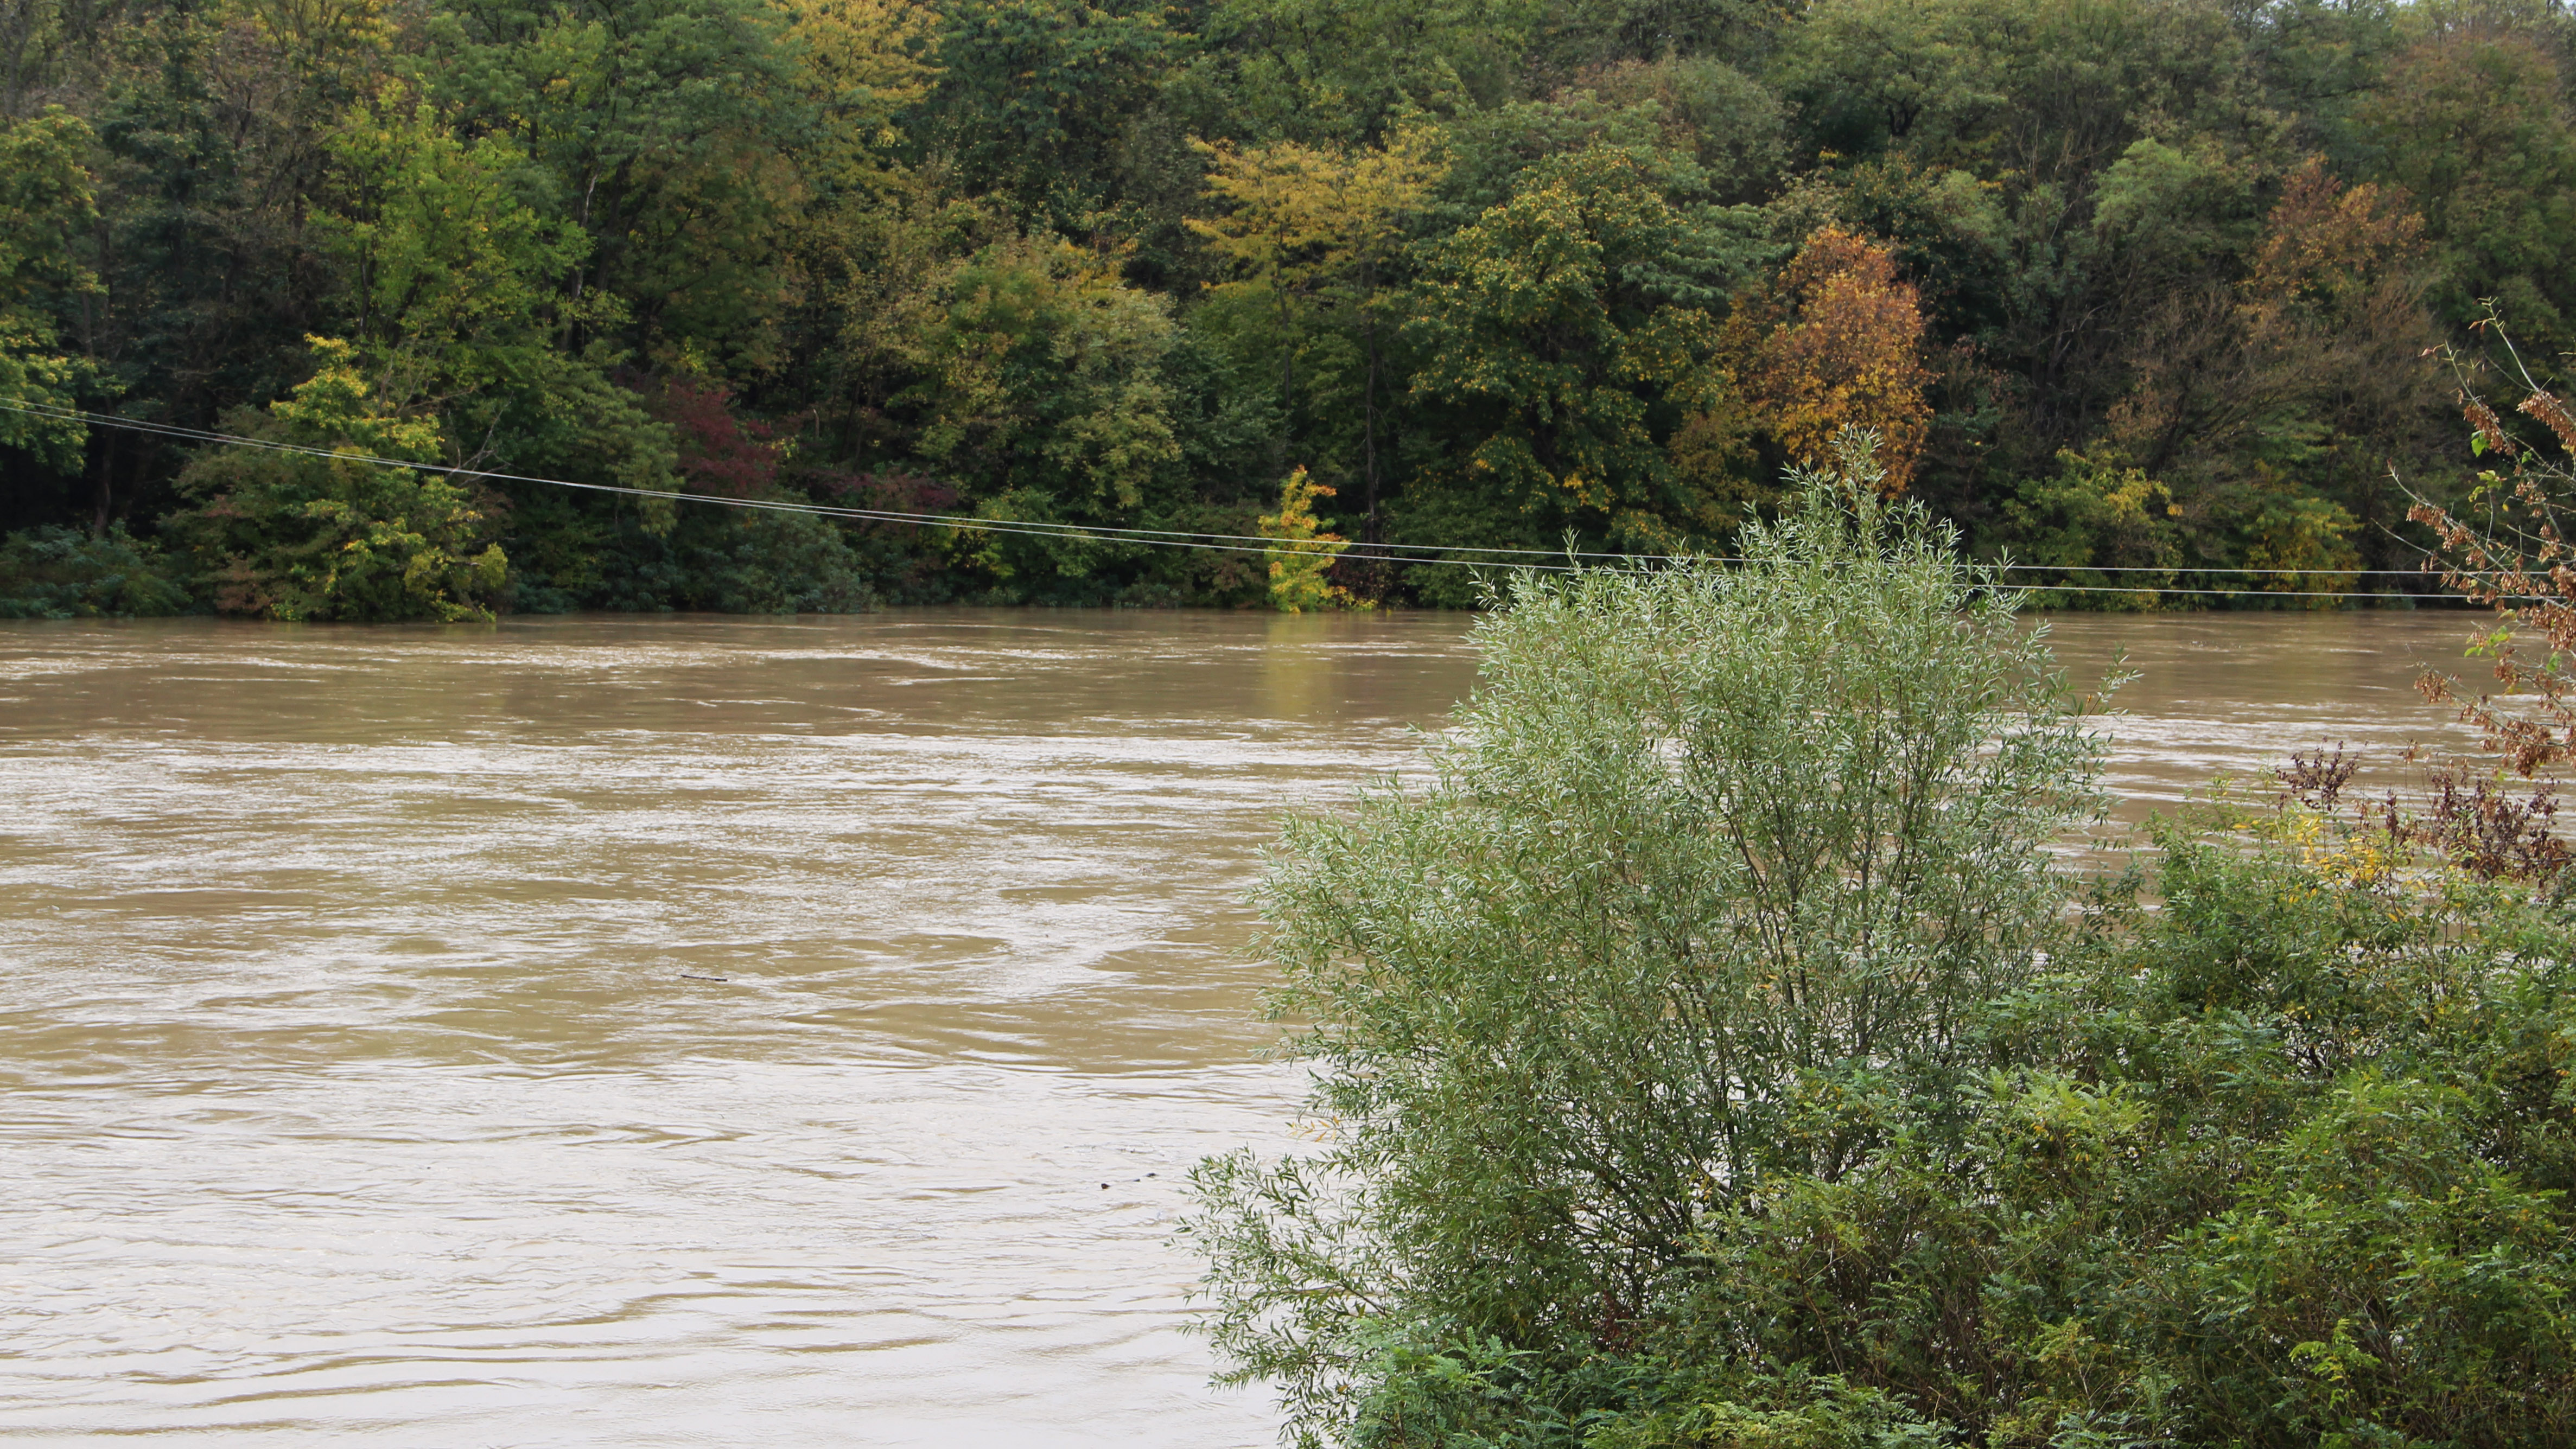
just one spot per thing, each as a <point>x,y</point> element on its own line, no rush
<point>2120,283</point>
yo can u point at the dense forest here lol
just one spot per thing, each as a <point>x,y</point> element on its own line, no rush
<point>2150,285</point>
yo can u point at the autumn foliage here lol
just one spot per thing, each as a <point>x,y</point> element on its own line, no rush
<point>2328,321</point>
<point>2517,558</point>
<point>2117,284</point>
<point>719,450</point>
<point>1835,341</point>
<point>1303,551</point>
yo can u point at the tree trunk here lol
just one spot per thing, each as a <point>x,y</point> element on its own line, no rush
<point>106,483</point>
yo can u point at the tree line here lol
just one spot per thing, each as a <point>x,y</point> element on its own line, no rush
<point>2153,286</point>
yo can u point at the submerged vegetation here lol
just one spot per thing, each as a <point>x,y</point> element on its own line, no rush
<point>1721,1051</point>
<point>2138,285</point>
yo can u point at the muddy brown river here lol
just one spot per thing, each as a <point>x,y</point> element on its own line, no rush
<point>650,1031</point>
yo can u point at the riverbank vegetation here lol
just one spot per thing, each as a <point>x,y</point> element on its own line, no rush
<point>1723,1049</point>
<point>2142,285</point>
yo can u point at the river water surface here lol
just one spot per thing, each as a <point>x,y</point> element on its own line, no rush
<point>634,1031</point>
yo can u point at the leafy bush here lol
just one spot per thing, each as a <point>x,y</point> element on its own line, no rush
<point>324,534</point>
<point>1704,838</point>
<point>1711,1056</point>
<point>64,573</point>
<point>730,561</point>
<point>2282,1164</point>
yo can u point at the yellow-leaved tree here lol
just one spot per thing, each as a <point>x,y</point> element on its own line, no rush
<point>1834,341</point>
<point>1302,215</point>
<point>1311,228</point>
<point>860,62</point>
<point>1301,552</point>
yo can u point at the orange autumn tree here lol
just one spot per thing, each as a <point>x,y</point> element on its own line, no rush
<point>1834,341</point>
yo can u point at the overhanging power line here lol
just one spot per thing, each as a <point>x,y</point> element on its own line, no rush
<point>1259,545</point>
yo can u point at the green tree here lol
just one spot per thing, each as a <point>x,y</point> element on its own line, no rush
<point>1724,119</point>
<point>2045,92</point>
<point>312,530</point>
<point>2093,514</point>
<point>1569,338</point>
<point>1313,228</point>
<point>459,296</point>
<point>1044,377</point>
<point>1034,94</point>
<point>1346,72</point>
<point>2473,121</point>
<point>46,199</point>
<point>1041,391</point>
<point>209,160</point>
<point>451,275</point>
<point>665,126</point>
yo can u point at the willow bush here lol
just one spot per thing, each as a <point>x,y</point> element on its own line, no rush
<point>1710,844</point>
<point>1710,1054</point>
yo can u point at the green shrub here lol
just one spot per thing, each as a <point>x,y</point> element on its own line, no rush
<point>324,534</point>
<point>1711,1056</point>
<point>726,561</point>
<point>2283,1163</point>
<point>1704,837</point>
<point>64,573</point>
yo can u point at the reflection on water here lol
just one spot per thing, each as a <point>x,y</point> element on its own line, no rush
<point>679,1031</point>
